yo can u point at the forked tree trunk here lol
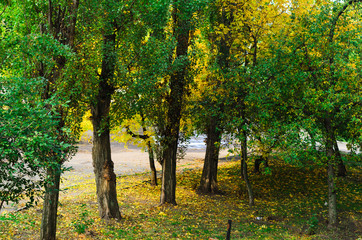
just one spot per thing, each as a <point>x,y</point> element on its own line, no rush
<point>101,152</point>
<point>50,206</point>
<point>175,99</point>
<point>208,183</point>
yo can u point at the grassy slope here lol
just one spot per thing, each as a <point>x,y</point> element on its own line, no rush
<point>290,204</point>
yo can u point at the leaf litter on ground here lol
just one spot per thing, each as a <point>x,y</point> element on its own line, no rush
<point>290,204</point>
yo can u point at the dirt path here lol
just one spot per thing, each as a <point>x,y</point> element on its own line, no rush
<point>130,160</point>
<point>127,161</point>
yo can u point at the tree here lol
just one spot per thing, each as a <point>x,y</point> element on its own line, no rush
<point>120,33</point>
<point>219,19</point>
<point>47,38</point>
<point>253,24</point>
<point>138,105</point>
<point>321,79</point>
<point>182,26</point>
<point>28,140</point>
<point>61,25</point>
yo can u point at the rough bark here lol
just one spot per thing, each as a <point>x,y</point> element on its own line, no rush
<point>177,87</point>
<point>50,206</point>
<point>332,198</point>
<point>168,187</point>
<point>208,183</point>
<point>101,152</point>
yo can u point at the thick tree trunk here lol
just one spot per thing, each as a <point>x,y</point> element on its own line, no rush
<point>175,99</point>
<point>101,153</point>
<point>168,188</point>
<point>50,206</point>
<point>244,167</point>
<point>104,171</point>
<point>208,183</point>
<point>151,158</point>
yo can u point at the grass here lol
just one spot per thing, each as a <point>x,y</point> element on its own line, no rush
<point>290,204</point>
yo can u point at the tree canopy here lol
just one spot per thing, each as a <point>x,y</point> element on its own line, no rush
<point>279,78</point>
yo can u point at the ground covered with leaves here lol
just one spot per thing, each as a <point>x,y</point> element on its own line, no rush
<point>290,204</point>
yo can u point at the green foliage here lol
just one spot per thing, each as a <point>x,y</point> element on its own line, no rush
<point>276,74</point>
<point>28,139</point>
<point>312,224</point>
<point>312,78</point>
<point>83,222</point>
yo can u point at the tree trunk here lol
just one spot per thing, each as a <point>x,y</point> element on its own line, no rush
<point>101,152</point>
<point>332,197</point>
<point>168,188</point>
<point>104,172</point>
<point>175,98</point>
<point>153,175</point>
<point>257,163</point>
<point>241,168</point>
<point>244,167</point>
<point>342,171</point>
<point>208,183</point>
<point>332,191</point>
<point>50,206</point>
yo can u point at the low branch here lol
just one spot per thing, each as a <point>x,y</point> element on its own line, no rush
<point>142,136</point>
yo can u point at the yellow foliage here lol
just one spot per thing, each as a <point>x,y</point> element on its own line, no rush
<point>86,128</point>
<point>121,134</point>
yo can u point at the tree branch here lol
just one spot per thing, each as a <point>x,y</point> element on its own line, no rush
<point>2,14</point>
<point>142,136</point>
<point>334,21</point>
